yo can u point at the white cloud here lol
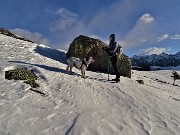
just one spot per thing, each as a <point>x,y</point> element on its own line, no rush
<point>163,37</point>
<point>95,36</point>
<point>140,33</point>
<point>146,18</point>
<point>69,25</point>
<point>34,36</point>
<point>66,19</point>
<point>112,18</point>
<point>106,41</point>
<point>175,37</point>
<point>152,50</point>
<point>66,27</point>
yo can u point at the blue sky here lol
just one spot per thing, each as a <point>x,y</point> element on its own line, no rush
<point>141,26</point>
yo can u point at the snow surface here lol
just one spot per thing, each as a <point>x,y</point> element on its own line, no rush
<point>76,106</point>
<point>165,68</point>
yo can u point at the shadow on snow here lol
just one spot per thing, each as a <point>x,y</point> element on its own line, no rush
<point>49,68</point>
<point>52,54</point>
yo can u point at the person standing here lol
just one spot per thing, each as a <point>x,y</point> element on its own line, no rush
<point>113,53</point>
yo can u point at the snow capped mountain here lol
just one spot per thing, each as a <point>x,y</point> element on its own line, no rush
<point>177,55</point>
<point>162,60</point>
<point>76,106</point>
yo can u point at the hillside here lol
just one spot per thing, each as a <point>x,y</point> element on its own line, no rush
<point>76,106</point>
<point>10,34</point>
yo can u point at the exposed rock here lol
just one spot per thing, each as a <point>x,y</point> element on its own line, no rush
<point>84,46</point>
<point>140,81</point>
<point>10,34</point>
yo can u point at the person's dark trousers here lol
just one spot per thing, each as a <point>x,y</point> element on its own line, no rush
<point>114,61</point>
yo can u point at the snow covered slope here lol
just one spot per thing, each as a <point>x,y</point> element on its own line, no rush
<point>76,106</point>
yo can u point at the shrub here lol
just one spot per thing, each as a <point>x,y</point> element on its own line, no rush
<point>22,74</point>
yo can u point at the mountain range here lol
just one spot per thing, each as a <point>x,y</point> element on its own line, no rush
<point>162,60</point>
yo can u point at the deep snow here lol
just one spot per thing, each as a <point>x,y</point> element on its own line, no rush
<point>76,106</point>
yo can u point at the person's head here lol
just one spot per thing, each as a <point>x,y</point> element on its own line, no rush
<point>112,38</point>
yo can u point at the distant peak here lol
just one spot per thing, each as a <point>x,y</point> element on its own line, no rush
<point>163,53</point>
<point>178,53</point>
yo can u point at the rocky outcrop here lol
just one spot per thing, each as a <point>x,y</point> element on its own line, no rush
<point>84,46</point>
<point>10,34</point>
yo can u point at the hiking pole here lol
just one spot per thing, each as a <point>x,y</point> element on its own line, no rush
<point>108,67</point>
